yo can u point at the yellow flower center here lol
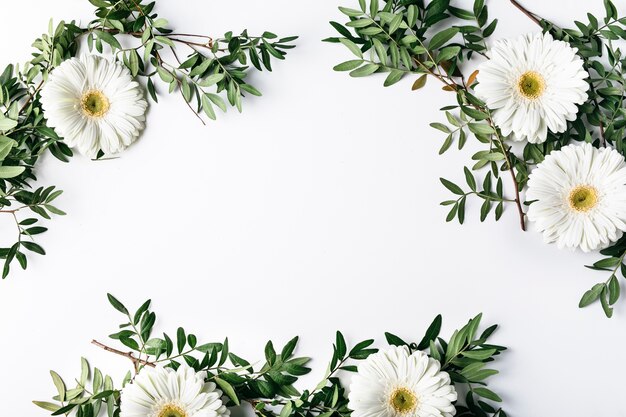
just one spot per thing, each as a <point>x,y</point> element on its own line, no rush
<point>95,104</point>
<point>403,400</point>
<point>531,85</point>
<point>172,410</point>
<point>583,198</point>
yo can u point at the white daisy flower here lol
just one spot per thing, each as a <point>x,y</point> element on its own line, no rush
<point>580,194</point>
<point>397,383</point>
<point>94,104</point>
<point>532,84</point>
<point>164,392</point>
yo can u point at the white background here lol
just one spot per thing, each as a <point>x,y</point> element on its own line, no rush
<point>316,209</point>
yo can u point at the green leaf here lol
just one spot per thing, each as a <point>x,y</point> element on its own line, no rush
<point>165,75</point>
<point>208,107</point>
<point>481,129</point>
<point>607,263</point>
<point>250,89</point>
<point>348,65</point>
<point>84,371</point>
<point>452,186</point>
<point>217,100</point>
<point>211,80</point>
<point>59,384</point>
<point>394,76</point>
<point>480,375</point>
<point>480,355</point>
<point>395,23</point>
<point>469,178</point>
<point>228,390</point>
<point>374,6</point>
<point>6,144</point>
<point>431,333</point>
<point>452,213</point>
<point>117,304</point>
<point>474,114</point>
<point>270,353</point>
<point>488,31</point>
<point>614,290</point>
<point>288,349</point>
<point>440,126</point>
<point>365,70</point>
<point>47,406</point>
<point>591,295</point>
<point>340,344</point>
<point>133,60</point>
<point>165,40</point>
<point>608,311</point>
<point>286,411</point>
<point>448,53</point>
<point>350,12</point>
<point>181,339</point>
<point>10,172</point>
<point>394,340</point>
<point>351,46</point>
<point>446,144</point>
<point>610,91</point>
<point>108,38</point>
<point>360,23</point>
<point>7,124</point>
<point>461,13</point>
<point>381,52</point>
<point>33,247</point>
<point>487,393</point>
<point>442,37</point>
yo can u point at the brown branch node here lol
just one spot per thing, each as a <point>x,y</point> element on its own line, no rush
<point>137,362</point>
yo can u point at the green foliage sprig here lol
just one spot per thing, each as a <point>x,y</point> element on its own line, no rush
<point>415,38</point>
<point>212,74</point>
<point>422,39</point>
<point>270,387</point>
<point>601,120</point>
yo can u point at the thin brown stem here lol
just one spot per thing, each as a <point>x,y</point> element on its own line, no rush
<point>136,361</point>
<point>19,229</point>
<point>518,201</point>
<point>207,45</point>
<point>209,39</point>
<point>31,97</point>
<point>529,14</point>
<point>505,152</point>
<point>452,86</point>
<point>176,56</point>
<point>601,125</point>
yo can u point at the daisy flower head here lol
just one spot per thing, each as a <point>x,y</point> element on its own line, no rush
<point>398,383</point>
<point>532,84</point>
<point>579,197</point>
<point>94,104</point>
<point>165,392</point>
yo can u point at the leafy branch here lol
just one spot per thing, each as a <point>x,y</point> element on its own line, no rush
<point>407,38</point>
<point>269,387</point>
<point>602,120</point>
<point>214,73</point>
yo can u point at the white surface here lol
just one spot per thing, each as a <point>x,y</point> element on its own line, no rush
<point>323,191</point>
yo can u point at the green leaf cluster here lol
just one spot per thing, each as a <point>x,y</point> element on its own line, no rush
<point>213,74</point>
<point>601,121</point>
<point>433,39</point>
<point>402,37</point>
<point>210,67</point>
<point>269,386</point>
